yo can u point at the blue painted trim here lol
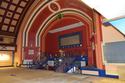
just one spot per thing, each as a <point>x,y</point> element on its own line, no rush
<point>68,68</point>
<point>51,59</point>
<point>72,45</point>
<point>91,69</point>
<point>77,58</point>
<point>102,73</point>
<point>112,76</point>
<point>81,58</point>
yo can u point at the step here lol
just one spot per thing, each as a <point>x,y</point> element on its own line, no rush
<point>96,72</point>
<point>92,71</point>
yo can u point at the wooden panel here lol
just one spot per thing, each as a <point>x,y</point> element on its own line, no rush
<point>7,40</point>
<point>12,13</point>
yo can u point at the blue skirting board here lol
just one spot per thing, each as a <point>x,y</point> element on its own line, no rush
<point>101,72</point>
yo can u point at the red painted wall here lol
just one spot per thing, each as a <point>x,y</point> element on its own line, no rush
<point>43,15</point>
<point>98,40</point>
<point>52,39</point>
<point>49,42</point>
<point>74,4</point>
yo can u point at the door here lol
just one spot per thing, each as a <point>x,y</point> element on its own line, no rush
<point>6,58</point>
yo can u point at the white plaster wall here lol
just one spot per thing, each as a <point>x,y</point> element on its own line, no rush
<point>110,34</point>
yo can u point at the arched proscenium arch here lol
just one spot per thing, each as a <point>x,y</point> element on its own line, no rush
<point>31,20</point>
<point>74,12</point>
<point>53,16</point>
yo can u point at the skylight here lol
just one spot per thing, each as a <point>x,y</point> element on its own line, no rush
<point>108,8</point>
<point>119,24</point>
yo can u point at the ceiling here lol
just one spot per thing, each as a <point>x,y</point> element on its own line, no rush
<point>111,9</point>
<point>12,13</point>
<point>11,16</point>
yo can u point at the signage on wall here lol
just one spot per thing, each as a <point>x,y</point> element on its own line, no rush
<point>31,52</point>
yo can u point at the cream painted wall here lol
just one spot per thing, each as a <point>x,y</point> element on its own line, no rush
<point>110,34</point>
<point>116,69</point>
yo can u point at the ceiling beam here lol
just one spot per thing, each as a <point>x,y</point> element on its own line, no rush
<point>67,27</point>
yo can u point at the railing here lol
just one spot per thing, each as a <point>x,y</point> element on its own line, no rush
<point>39,61</point>
<point>66,62</point>
<point>61,61</point>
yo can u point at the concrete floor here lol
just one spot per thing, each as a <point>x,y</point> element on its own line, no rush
<point>21,75</point>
